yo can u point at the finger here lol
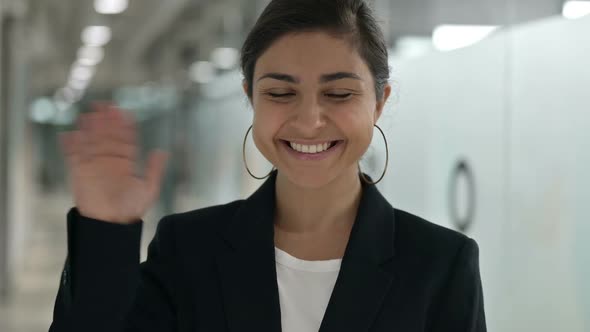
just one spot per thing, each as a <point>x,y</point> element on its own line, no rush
<point>88,136</point>
<point>82,122</point>
<point>127,116</point>
<point>115,165</point>
<point>108,131</point>
<point>101,105</point>
<point>66,142</point>
<point>122,117</point>
<point>88,122</point>
<point>120,126</point>
<point>70,143</point>
<point>155,171</point>
<point>109,123</point>
<point>97,109</point>
<point>112,143</point>
<point>97,132</point>
<point>84,146</point>
<point>110,148</point>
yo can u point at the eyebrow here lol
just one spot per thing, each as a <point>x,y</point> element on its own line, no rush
<point>338,76</point>
<point>323,79</point>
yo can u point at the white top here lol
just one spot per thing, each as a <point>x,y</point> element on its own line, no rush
<point>305,288</point>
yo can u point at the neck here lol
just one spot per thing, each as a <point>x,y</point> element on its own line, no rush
<point>316,210</point>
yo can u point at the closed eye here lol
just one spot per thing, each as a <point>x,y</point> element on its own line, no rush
<point>279,95</point>
<point>339,96</point>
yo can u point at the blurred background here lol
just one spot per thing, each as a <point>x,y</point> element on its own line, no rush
<point>488,132</point>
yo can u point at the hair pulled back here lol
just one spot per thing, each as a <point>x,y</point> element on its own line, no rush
<point>352,20</point>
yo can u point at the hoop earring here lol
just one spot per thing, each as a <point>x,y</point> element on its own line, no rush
<point>246,164</point>
<point>386,161</point>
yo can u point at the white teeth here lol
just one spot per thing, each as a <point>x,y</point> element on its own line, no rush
<point>310,148</point>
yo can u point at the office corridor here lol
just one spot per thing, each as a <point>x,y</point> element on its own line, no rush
<point>30,304</point>
<point>485,132</point>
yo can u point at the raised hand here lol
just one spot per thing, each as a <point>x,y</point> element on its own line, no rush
<point>102,157</point>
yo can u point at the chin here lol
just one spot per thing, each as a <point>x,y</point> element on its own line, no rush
<point>309,179</point>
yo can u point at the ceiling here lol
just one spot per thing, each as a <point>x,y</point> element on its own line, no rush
<point>154,39</point>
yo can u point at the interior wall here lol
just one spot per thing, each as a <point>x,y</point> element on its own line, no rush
<point>514,107</point>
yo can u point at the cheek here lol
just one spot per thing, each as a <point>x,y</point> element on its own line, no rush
<point>265,121</point>
<point>367,120</point>
<point>266,125</point>
<point>357,123</point>
<point>263,141</point>
<point>358,126</point>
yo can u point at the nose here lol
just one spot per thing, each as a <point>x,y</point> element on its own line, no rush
<point>309,117</point>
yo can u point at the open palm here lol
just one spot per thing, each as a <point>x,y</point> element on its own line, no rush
<point>102,156</point>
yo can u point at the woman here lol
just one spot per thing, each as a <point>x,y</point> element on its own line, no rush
<point>316,247</point>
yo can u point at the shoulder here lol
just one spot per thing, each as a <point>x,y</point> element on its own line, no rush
<point>199,222</point>
<point>423,242</point>
<point>413,228</point>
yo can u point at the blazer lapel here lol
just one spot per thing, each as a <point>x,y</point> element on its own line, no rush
<point>366,274</point>
<point>247,270</point>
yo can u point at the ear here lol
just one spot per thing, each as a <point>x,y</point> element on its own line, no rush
<point>381,103</point>
<point>245,88</point>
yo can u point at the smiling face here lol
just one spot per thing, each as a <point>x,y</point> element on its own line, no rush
<point>313,91</point>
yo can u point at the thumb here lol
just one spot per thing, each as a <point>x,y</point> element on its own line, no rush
<point>154,172</point>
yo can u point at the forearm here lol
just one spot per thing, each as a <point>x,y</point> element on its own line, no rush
<point>100,277</point>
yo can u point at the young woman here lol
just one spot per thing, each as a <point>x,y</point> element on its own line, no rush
<point>316,247</point>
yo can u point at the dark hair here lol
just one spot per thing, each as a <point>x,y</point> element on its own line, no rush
<point>350,19</point>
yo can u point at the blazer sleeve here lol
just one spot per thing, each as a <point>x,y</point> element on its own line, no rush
<point>461,307</point>
<point>104,288</point>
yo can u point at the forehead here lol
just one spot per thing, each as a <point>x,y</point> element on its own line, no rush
<point>311,54</point>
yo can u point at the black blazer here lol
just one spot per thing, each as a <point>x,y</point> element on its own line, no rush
<point>213,269</point>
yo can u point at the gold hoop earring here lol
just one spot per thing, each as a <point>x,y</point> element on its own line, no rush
<point>386,161</point>
<point>244,157</point>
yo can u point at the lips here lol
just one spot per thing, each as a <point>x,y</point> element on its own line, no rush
<point>331,144</point>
